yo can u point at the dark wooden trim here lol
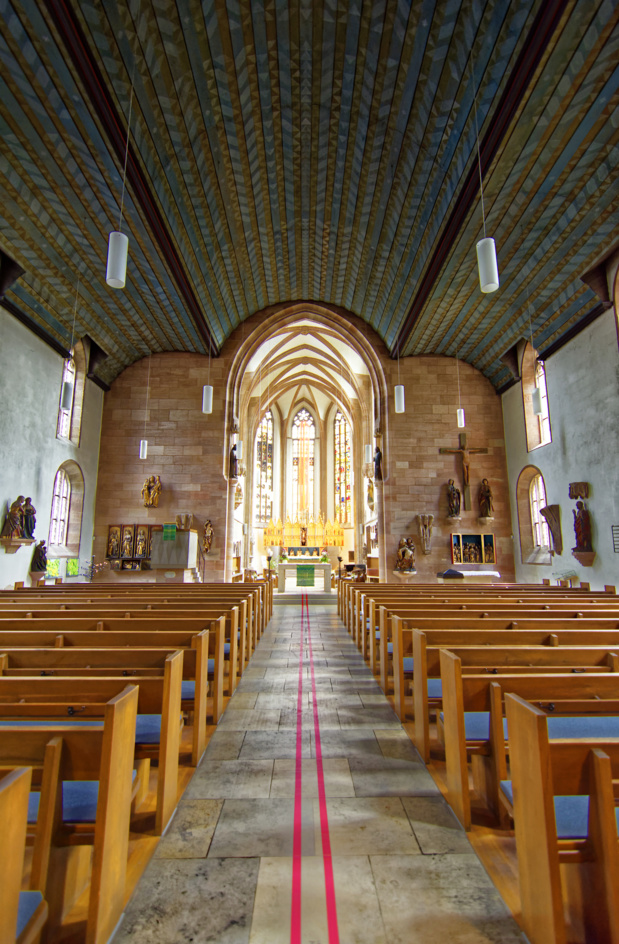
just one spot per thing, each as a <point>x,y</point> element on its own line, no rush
<point>40,332</point>
<point>114,126</point>
<point>575,330</point>
<point>100,383</point>
<point>535,44</point>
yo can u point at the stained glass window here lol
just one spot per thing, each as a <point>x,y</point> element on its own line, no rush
<point>343,485</point>
<point>303,434</point>
<point>60,509</point>
<point>264,469</point>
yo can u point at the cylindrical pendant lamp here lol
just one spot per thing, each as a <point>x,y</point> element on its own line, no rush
<point>487,265</point>
<point>117,251</point>
<point>536,399</point>
<point>368,452</point>
<point>143,448</point>
<point>66,399</point>
<point>207,399</point>
<point>460,416</point>
<point>399,398</point>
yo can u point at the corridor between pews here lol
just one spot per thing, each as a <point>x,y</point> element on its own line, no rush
<point>312,819</point>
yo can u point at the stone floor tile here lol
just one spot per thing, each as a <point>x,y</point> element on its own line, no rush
<point>191,830</point>
<point>223,745</point>
<point>276,744</point>
<point>337,779</point>
<point>242,779</point>
<point>436,828</point>
<point>261,828</point>
<point>388,776</point>
<point>250,720</point>
<point>368,826</point>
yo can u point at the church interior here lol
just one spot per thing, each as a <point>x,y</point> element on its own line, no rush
<point>302,304</point>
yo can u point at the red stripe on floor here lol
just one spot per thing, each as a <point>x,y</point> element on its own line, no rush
<point>295,916</point>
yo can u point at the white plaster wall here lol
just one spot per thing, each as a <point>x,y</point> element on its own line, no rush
<point>583,397</point>
<point>30,454</point>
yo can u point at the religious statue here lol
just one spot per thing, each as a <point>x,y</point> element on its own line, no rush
<point>151,490</point>
<point>370,494</point>
<point>405,558</point>
<point>233,470</point>
<point>207,537</point>
<point>453,499</point>
<point>486,508</point>
<point>140,544</point>
<point>29,518</point>
<point>378,468</point>
<point>465,452</point>
<point>113,542</point>
<point>582,528</point>
<point>14,522</point>
<point>127,542</point>
<point>425,532</point>
<point>39,559</point>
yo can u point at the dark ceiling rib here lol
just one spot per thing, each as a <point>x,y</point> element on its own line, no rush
<point>537,40</point>
<point>77,47</point>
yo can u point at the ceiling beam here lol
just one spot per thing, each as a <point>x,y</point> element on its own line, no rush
<point>114,126</point>
<point>535,44</point>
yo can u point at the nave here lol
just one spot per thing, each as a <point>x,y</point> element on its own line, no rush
<point>228,869</point>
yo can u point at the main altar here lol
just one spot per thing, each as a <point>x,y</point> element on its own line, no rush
<point>303,572</point>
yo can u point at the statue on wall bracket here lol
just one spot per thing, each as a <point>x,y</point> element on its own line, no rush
<point>583,552</point>
<point>425,532</point>
<point>405,557</point>
<point>453,500</point>
<point>151,490</point>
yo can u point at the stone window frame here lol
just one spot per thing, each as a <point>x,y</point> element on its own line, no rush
<point>535,426</point>
<point>70,547</point>
<point>530,552</point>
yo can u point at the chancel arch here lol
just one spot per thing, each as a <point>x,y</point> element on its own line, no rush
<point>323,386</point>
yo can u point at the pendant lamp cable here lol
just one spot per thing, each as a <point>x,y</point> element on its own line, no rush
<point>77,292</point>
<point>122,193</point>
<point>458,374</point>
<point>481,185</point>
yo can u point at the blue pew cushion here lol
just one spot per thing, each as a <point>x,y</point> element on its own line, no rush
<point>435,688</point>
<point>79,802</point>
<point>148,729</point>
<point>571,813</point>
<point>28,904</point>
<point>390,648</point>
<point>407,664</point>
<point>583,726</point>
<point>211,665</point>
<point>477,725</point>
<point>226,648</point>
<point>188,690</point>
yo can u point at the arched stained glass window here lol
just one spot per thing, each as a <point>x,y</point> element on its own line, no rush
<point>264,469</point>
<point>343,485</point>
<point>58,527</point>
<point>537,498</point>
<point>303,434</point>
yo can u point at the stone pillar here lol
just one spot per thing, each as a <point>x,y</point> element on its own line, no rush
<point>380,527</point>
<point>232,483</point>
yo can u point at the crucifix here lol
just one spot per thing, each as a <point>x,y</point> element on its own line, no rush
<point>464,452</point>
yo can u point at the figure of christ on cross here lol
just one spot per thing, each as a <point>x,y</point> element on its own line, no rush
<point>464,452</point>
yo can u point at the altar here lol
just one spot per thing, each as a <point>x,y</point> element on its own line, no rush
<point>303,572</point>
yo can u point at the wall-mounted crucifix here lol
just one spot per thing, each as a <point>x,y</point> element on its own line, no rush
<point>464,452</point>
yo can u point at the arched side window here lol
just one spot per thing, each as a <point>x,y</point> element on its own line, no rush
<point>72,388</point>
<point>537,500</point>
<point>303,435</point>
<point>541,407</point>
<point>532,527</point>
<point>264,470</point>
<point>342,469</point>
<point>65,526</point>
<point>535,400</point>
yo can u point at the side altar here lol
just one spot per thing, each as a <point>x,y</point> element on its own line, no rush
<point>303,572</point>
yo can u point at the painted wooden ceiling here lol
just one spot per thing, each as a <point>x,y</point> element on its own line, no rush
<point>286,150</point>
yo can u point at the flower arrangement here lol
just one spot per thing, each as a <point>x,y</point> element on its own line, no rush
<point>283,554</point>
<point>324,557</point>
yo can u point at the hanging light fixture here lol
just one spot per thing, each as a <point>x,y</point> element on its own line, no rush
<point>144,441</point>
<point>536,400</point>
<point>459,412</point>
<point>486,249</point>
<point>118,242</point>
<point>536,396</point>
<point>368,452</point>
<point>207,390</point>
<point>399,391</point>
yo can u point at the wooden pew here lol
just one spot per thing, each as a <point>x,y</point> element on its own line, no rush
<point>23,915</point>
<point>488,649</point>
<point>575,769</point>
<point>123,662</point>
<point>104,752</point>
<point>481,694</point>
<point>80,698</point>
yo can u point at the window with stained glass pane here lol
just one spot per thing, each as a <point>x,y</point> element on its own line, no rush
<point>264,469</point>
<point>303,434</point>
<point>60,509</point>
<point>343,490</point>
<point>537,498</point>
<point>65,411</point>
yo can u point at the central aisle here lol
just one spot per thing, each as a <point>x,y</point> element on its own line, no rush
<point>402,871</point>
